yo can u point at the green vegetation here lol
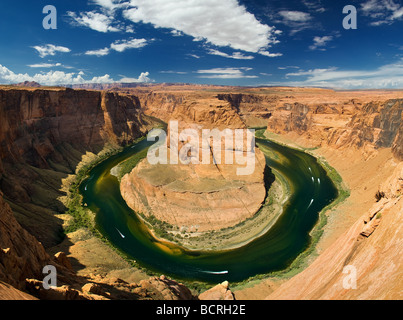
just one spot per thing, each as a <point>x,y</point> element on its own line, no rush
<point>127,166</point>
<point>83,217</point>
<point>160,228</point>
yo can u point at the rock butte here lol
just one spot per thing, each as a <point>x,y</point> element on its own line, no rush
<point>199,197</point>
<point>46,132</point>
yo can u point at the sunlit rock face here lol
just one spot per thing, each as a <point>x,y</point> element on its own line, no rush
<point>212,176</point>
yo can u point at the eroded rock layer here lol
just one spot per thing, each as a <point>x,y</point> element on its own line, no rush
<point>207,195</point>
<point>44,134</point>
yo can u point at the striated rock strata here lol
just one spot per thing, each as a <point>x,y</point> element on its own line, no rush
<point>44,134</point>
<point>198,196</point>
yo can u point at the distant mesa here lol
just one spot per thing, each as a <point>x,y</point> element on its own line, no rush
<point>117,85</point>
<point>31,84</point>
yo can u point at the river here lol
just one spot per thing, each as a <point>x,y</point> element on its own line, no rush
<point>311,191</point>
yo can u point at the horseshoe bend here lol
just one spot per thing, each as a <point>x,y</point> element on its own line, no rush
<point>78,192</point>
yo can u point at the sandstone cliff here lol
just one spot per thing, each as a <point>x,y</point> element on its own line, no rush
<point>197,197</point>
<point>21,255</point>
<point>372,246</point>
<point>355,134</point>
<point>365,120</point>
<point>35,122</point>
<point>43,135</point>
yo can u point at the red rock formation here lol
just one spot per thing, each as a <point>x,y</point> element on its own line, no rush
<point>21,255</point>
<point>50,129</point>
<point>34,122</point>
<point>199,196</point>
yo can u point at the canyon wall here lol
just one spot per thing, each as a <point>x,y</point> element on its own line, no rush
<point>355,130</point>
<point>336,120</point>
<point>358,133</point>
<point>33,123</point>
<point>21,255</point>
<point>44,134</point>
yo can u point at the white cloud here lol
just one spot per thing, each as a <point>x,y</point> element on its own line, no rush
<point>387,76</point>
<point>177,33</point>
<point>382,11</point>
<point>295,16</point>
<point>108,4</point>
<point>61,78</point>
<point>129,29</point>
<point>269,54</point>
<point>50,50</point>
<point>98,53</point>
<point>122,45</point>
<point>314,5</point>
<point>296,20</point>
<point>119,46</point>
<point>235,55</point>
<point>193,55</point>
<point>226,73</point>
<point>221,23</point>
<point>288,67</point>
<point>93,20</point>
<point>103,79</point>
<point>45,65</point>
<point>173,72</point>
<point>49,78</point>
<point>320,42</point>
<point>142,78</point>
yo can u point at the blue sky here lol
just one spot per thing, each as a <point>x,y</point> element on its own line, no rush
<point>225,42</point>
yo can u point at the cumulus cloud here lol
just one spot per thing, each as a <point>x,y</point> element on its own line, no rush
<point>320,43</point>
<point>122,45</point>
<point>226,73</point>
<point>387,76</point>
<point>144,77</point>
<point>221,23</point>
<point>52,78</point>
<point>93,20</point>
<point>50,50</point>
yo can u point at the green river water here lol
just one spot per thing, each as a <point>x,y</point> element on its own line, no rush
<point>311,191</point>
